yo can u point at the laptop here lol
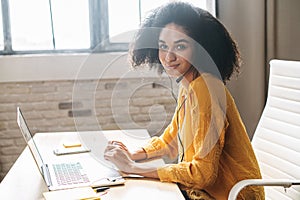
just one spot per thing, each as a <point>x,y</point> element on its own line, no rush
<point>79,172</point>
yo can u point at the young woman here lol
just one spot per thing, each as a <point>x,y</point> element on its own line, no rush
<point>206,132</point>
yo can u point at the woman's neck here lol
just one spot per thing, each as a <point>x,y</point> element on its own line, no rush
<point>187,79</point>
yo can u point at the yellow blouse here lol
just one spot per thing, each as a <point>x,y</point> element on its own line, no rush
<point>212,141</point>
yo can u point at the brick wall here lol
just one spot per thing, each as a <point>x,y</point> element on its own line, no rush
<point>55,106</point>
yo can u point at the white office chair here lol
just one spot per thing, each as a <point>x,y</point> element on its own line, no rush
<point>276,141</point>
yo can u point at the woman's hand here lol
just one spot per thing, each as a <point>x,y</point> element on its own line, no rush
<point>117,153</point>
<point>136,155</point>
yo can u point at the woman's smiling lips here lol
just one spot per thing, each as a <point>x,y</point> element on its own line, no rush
<point>171,66</point>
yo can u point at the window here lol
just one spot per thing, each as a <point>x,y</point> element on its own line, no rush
<point>123,21</point>
<point>62,25</point>
<point>50,26</point>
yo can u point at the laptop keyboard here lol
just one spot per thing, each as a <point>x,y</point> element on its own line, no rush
<point>69,173</point>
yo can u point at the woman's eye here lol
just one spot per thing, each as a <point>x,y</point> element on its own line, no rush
<point>180,47</point>
<point>162,46</point>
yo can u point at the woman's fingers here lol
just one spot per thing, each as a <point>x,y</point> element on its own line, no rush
<point>119,157</point>
<point>117,153</point>
<point>118,143</point>
<point>111,152</point>
<point>109,147</point>
<point>108,155</point>
<point>114,151</point>
<point>115,144</point>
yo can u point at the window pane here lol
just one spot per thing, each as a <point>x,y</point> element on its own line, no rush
<point>208,5</point>
<point>147,6</point>
<point>30,25</point>
<point>198,3</point>
<point>123,17</point>
<point>1,31</point>
<point>71,24</point>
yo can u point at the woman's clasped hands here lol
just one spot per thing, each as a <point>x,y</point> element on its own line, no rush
<point>117,153</point>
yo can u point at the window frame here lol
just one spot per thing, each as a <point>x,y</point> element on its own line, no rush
<point>99,32</point>
<point>7,46</point>
<point>99,28</point>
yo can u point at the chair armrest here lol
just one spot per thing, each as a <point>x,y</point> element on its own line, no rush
<point>286,183</point>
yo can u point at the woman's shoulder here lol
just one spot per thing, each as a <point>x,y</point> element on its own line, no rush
<point>206,83</point>
<point>208,90</point>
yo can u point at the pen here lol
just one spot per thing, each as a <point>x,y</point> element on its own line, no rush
<point>100,189</point>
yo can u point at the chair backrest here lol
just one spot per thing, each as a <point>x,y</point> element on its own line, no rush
<point>276,141</point>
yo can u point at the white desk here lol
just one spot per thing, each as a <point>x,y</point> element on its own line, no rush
<point>24,181</point>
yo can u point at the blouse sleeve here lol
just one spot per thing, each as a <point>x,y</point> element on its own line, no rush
<point>200,172</point>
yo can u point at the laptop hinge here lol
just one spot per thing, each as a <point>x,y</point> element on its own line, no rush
<point>46,174</point>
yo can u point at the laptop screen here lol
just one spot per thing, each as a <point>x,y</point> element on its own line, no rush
<point>28,138</point>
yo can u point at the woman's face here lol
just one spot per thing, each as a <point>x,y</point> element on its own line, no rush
<point>175,50</point>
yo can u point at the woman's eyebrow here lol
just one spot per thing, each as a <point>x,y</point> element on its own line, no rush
<point>181,40</point>
<point>176,42</point>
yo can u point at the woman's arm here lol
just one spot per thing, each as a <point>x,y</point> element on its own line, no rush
<point>165,145</point>
<point>139,154</point>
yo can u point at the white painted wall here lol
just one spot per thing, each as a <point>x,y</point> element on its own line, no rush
<point>62,67</point>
